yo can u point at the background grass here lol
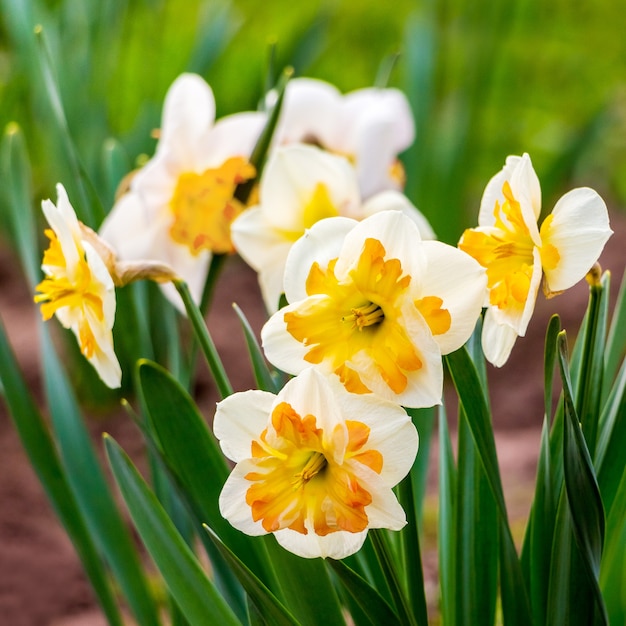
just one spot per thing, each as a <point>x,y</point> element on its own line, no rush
<point>485,80</point>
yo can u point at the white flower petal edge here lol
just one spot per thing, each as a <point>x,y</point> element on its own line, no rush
<point>579,230</point>
<point>497,339</point>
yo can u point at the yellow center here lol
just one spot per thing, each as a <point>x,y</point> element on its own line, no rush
<point>507,253</point>
<point>77,291</point>
<point>361,315</point>
<point>298,478</point>
<point>203,206</point>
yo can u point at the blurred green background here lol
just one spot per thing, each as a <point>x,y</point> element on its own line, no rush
<point>485,79</point>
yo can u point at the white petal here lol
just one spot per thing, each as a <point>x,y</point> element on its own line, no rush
<point>497,340</point>
<point>265,249</point>
<point>290,178</point>
<point>319,244</point>
<point>188,112</point>
<point>240,419</point>
<point>391,431</point>
<point>525,187</point>
<point>579,230</point>
<point>391,200</point>
<point>280,347</point>
<point>233,135</point>
<point>337,545</point>
<point>232,501</point>
<point>310,112</point>
<point>65,226</point>
<point>461,283</point>
<point>399,236</point>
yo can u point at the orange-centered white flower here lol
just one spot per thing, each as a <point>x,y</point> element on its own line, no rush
<point>181,205</point>
<point>315,464</point>
<point>377,306</point>
<point>78,288</point>
<point>516,253</point>
<point>300,186</point>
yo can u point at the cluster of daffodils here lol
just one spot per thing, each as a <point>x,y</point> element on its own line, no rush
<point>373,301</point>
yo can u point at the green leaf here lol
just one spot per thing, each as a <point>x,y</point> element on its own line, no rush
<point>194,593</point>
<point>86,478</point>
<point>17,195</point>
<point>374,606</point>
<point>116,166</point>
<point>265,601</point>
<point>262,373</point>
<point>616,339</point>
<point>515,602</point>
<point>476,536</point>
<point>193,456</point>
<point>446,523</point>
<point>42,454</point>
<point>583,493</point>
<point>549,363</point>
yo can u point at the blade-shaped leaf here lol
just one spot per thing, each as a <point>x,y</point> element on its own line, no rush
<point>265,601</point>
<point>42,454</point>
<point>583,494</point>
<point>194,593</point>
<point>374,606</point>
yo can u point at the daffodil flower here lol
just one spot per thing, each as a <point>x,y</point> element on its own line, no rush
<point>377,306</point>
<point>368,126</point>
<point>315,465</point>
<point>300,186</point>
<point>78,288</point>
<point>517,253</point>
<point>180,205</point>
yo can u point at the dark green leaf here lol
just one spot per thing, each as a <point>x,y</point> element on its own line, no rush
<point>194,593</point>
<point>374,606</point>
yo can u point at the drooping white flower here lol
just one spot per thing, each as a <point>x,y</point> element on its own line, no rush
<point>377,306</point>
<point>315,465</point>
<point>301,185</point>
<point>180,204</point>
<point>517,253</point>
<point>368,126</point>
<point>78,288</point>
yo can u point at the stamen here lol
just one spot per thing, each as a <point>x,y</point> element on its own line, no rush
<point>367,315</point>
<point>315,464</point>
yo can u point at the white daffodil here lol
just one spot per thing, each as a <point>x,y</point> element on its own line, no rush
<point>368,126</point>
<point>300,186</point>
<point>377,306</point>
<point>315,465</point>
<point>517,253</point>
<point>78,288</point>
<point>180,204</point>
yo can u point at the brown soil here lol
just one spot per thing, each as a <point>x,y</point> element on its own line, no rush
<point>41,581</point>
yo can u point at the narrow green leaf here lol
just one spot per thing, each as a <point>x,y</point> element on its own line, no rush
<point>515,602</point>
<point>42,454</point>
<point>205,340</point>
<point>262,373</point>
<point>265,601</point>
<point>116,166</point>
<point>389,565</point>
<point>549,363</point>
<point>411,552</point>
<point>191,453</point>
<point>17,195</point>
<point>476,536</point>
<point>446,523</point>
<point>583,494</point>
<point>589,384</point>
<point>374,606</point>
<point>194,593</point>
<point>616,339</point>
<point>86,478</point>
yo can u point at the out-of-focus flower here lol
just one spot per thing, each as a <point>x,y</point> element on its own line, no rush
<point>300,186</point>
<point>78,288</point>
<point>517,253</point>
<point>315,465</point>
<point>369,126</point>
<point>377,306</point>
<point>180,205</point>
